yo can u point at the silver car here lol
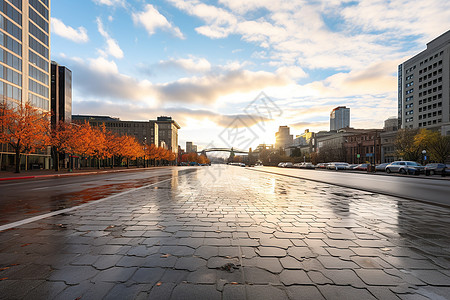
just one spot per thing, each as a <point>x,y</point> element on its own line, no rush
<point>404,167</point>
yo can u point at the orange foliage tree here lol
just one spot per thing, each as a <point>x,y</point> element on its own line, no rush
<point>61,139</point>
<point>24,128</point>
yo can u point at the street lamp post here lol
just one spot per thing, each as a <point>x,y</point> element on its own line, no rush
<point>424,156</point>
<point>145,148</point>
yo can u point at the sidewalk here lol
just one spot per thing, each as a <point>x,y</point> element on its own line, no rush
<point>30,174</point>
<point>231,233</point>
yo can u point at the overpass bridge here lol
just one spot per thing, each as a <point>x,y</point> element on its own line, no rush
<point>231,150</point>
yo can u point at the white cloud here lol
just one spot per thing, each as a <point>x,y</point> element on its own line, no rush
<point>338,34</point>
<point>110,2</point>
<point>151,19</point>
<point>190,65</point>
<point>112,46</point>
<point>77,35</point>
<point>101,77</point>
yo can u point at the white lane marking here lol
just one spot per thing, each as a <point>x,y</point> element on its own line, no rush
<point>61,211</point>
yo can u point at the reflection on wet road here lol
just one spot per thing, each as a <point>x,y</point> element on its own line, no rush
<point>34,197</point>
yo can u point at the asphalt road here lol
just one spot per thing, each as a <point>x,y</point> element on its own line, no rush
<point>31,197</point>
<point>431,190</point>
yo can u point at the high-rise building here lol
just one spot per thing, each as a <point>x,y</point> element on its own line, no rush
<point>339,118</point>
<point>424,87</point>
<point>283,138</point>
<point>189,147</point>
<point>25,52</point>
<point>168,132</point>
<point>25,57</point>
<point>61,93</point>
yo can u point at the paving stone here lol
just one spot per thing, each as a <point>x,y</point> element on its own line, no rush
<point>434,292</point>
<point>195,292</point>
<point>148,275</point>
<point>377,277</point>
<point>318,278</point>
<point>409,263</point>
<point>177,250</point>
<point>304,293</point>
<point>291,277</point>
<point>86,290</point>
<point>191,242</point>
<point>141,251</point>
<point>85,260</point>
<point>217,262</point>
<point>106,261</point>
<point>344,292</point>
<point>159,260</point>
<point>190,263</point>
<point>202,276</point>
<point>115,274</point>
<point>301,253</point>
<point>162,291</point>
<point>265,292</point>
<point>175,276</point>
<point>125,292</point>
<point>73,274</point>
<point>432,277</point>
<point>370,262</point>
<point>228,252</point>
<point>331,262</point>
<point>270,264</point>
<point>130,261</point>
<point>384,293</point>
<point>233,292</point>
<point>344,277</point>
<point>270,252</point>
<point>289,262</point>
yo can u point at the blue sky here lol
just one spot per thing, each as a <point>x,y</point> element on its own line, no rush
<point>204,62</point>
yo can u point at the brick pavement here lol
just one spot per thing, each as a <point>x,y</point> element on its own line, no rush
<point>232,233</point>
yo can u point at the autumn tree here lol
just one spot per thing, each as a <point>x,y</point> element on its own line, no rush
<point>436,145</point>
<point>405,144</point>
<point>61,140</point>
<point>24,128</point>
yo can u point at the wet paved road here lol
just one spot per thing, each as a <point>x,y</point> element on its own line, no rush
<point>429,189</point>
<point>233,233</point>
<point>32,197</point>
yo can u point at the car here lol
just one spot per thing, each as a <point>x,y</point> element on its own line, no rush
<point>436,168</point>
<point>381,167</point>
<point>404,167</point>
<point>361,167</point>
<point>321,165</point>
<point>351,166</point>
<point>281,164</point>
<point>307,165</point>
<point>337,166</point>
<point>298,165</point>
<point>288,165</point>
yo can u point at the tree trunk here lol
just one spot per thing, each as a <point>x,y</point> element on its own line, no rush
<point>17,160</point>
<point>56,160</point>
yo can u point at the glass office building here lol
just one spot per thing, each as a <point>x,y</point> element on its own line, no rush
<point>24,56</point>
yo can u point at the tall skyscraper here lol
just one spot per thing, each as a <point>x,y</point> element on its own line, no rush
<point>339,118</point>
<point>25,52</point>
<point>283,138</point>
<point>61,93</point>
<point>424,87</point>
<point>25,58</point>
